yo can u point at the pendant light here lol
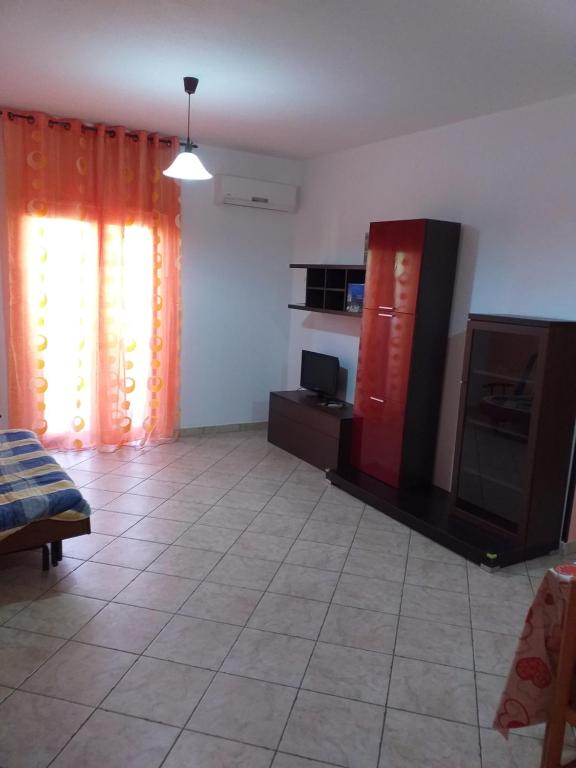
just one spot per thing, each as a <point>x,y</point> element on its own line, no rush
<point>187,166</point>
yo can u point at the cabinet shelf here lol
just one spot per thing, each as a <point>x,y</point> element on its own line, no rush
<point>325,311</point>
<point>327,287</point>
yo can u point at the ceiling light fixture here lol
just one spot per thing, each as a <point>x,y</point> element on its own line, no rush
<point>187,166</point>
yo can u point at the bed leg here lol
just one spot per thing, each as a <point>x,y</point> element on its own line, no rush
<point>60,550</point>
<point>54,553</point>
<point>45,557</point>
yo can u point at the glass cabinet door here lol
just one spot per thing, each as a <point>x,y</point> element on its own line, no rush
<point>494,459</point>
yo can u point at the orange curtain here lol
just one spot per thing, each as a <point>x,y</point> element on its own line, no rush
<point>92,282</point>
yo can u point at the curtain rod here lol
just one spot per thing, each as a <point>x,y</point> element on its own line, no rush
<point>66,124</point>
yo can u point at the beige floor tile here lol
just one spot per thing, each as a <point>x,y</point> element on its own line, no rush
<point>200,494</point>
<point>228,517</point>
<point>182,511</point>
<point>261,545</point>
<point>430,573</point>
<point>97,580</point>
<point>435,605</point>
<point>213,478</point>
<point>196,750</point>
<point>33,729</point>
<point>159,690</point>
<point>209,537</point>
<point>349,672</point>
<point>289,615</point>
<point>57,613</point>
<point>268,656</point>
<point>185,562</point>
<point>435,642</point>
<point>299,492</point>
<point>245,710</point>
<point>433,689</point>
<point>357,628</point>
<point>373,518</point>
<point>98,499</point>
<point>276,525</point>
<point>123,627</point>
<point>328,533</point>
<point>376,565</point>
<point>111,482</point>
<point>300,581</point>
<point>245,572</point>
<point>158,530</point>
<point>157,591</point>
<point>160,489</point>
<point>501,616</point>
<point>84,674</point>
<point>131,504</point>
<point>372,594</point>
<point>83,547</point>
<point>426,549</point>
<point>493,652</point>
<point>335,730</point>
<point>112,523</point>
<point>289,507</point>
<point>501,585</point>
<point>198,642</point>
<point>266,486</point>
<point>381,540</point>
<point>337,513</point>
<point>117,740</point>
<point>314,554</point>
<point>21,653</point>
<point>291,761</point>
<point>514,752</point>
<point>412,740</point>
<point>129,553</point>
<point>221,602</point>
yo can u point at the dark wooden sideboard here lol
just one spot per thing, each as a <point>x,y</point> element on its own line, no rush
<point>300,424</point>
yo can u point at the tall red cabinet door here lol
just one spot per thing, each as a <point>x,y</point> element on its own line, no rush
<point>377,437</point>
<point>393,270</point>
<point>385,354</point>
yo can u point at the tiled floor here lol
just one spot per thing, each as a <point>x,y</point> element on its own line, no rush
<point>231,609</point>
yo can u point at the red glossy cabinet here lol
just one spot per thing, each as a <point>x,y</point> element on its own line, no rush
<point>385,355</point>
<point>409,284</point>
<point>393,271</point>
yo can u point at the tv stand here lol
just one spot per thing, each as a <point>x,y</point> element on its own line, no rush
<point>310,427</point>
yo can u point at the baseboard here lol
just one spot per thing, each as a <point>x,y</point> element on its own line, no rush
<point>250,426</point>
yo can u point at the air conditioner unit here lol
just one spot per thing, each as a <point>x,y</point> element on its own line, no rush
<point>254,193</point>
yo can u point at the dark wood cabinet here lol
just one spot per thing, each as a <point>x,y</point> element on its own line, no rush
<point>408,295</point>
<point>514,451</point>
<point>327,287</point>
<point>299,423</point>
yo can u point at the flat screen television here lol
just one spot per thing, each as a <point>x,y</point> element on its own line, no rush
<point>319,373</point>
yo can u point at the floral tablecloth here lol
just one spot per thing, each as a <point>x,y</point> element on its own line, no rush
<point>528,690</point>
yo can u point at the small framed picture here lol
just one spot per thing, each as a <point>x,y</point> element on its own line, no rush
<point>355,297</point>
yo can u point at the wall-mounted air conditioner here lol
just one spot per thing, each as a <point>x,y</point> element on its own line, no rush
<point>254,193</point>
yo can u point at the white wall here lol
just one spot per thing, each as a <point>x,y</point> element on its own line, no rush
<point>235,292</point>
<point>509,178</point>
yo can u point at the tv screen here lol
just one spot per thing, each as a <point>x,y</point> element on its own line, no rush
<point>319,373</point>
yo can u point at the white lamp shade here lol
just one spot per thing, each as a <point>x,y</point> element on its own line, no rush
<point>188,167</point>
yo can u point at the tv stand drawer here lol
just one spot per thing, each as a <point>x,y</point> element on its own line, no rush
<point>316,433</point>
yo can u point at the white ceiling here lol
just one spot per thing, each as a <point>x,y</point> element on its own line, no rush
<point>287,77</point>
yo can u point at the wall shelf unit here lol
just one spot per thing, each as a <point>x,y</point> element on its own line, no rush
<point>327,287</point>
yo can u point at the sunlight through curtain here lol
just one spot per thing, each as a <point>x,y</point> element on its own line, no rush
<point>93,283</point>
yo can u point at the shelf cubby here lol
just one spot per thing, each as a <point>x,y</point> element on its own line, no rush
<point>327,287</point>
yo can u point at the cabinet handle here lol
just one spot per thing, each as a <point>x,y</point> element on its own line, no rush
<point>385,314</point>
<point>386,307</point>
<point>377,399</point>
